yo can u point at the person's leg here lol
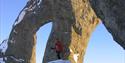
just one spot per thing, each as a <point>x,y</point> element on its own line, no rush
<point>58,54</point>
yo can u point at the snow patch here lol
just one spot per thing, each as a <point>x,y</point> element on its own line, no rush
<point>60,61</point>
<point>31,8</point>
<point>12,41</point>
<point>4,46</point>
<point>71,50</point>
<point>75,56</point>
<point>20,17</point>
<point>1,60</point>
<point>34,12</point>
<point>15,31</point>
<point>39,1</point>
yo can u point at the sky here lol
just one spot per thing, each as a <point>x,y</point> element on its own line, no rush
<point>101,48</point>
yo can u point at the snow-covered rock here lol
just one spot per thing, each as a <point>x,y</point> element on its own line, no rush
<point>4,46</point>
<point>1,60</point>
<point>60,61</point>
<point>21,16</point>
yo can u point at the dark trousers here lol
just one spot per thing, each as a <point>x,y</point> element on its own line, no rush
<point>58,54</point>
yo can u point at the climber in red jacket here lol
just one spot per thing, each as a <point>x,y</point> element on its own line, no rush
<point>59,48</point>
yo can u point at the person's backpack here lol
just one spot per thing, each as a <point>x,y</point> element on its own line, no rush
<point>59,46</point>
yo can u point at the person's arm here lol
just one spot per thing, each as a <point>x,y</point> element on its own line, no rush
<point>53,48</point>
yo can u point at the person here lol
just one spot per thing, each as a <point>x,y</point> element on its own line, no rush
<point>59,48</point>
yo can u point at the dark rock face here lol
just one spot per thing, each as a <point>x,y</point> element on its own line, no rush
<point>73,22</point>
<point>112,14</point>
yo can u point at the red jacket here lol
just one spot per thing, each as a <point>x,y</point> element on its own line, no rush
<point>59,46</point>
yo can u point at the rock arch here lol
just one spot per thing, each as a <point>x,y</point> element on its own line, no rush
<point>73,22</point>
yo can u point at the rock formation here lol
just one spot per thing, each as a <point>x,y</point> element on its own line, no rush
<point>112,14</point>
<point>73,22</point>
